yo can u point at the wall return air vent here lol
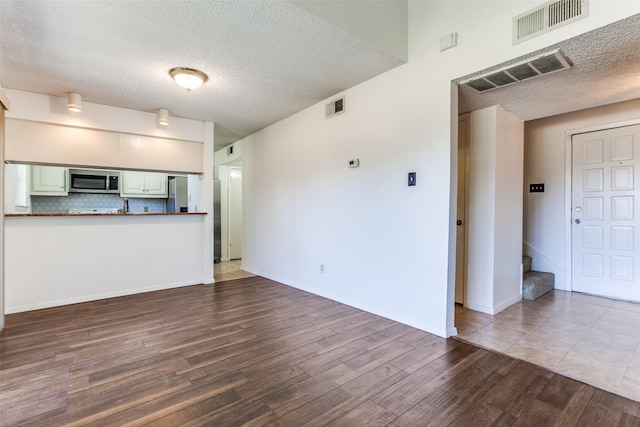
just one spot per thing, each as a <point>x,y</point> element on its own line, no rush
<point>551,15</point>
<point>334,107</point>
<point>537,66</point>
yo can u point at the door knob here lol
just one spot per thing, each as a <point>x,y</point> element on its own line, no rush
<point>577,221</point>
<point>459,222</point>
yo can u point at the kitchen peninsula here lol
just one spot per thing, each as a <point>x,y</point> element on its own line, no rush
<point>114,214</point>
<point>56,256</point>
<point>58,259</point>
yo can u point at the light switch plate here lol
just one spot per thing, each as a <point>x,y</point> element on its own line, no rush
<point>354,163</point>
<point>411,179</point>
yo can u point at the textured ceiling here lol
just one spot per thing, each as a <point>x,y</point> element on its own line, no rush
<point>265,59</point>
<point>606,70</point>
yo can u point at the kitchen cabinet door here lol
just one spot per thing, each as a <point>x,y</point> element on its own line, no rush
<point>49,181</point>
<point>144,184</point>
<point>156,184</point>
<point>133,184</point>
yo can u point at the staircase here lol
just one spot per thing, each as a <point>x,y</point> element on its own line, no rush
<point>534,283</point>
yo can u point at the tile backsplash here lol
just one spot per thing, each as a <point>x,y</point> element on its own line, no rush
<point>77,201</point>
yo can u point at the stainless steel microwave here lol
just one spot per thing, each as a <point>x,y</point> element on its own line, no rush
<point>94,181</point>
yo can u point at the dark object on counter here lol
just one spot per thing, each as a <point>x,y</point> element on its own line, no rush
<point>125,206</point>
<point>217,224</point>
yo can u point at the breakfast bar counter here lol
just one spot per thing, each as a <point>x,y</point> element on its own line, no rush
<point>57,259</point>
<point>105,214</point>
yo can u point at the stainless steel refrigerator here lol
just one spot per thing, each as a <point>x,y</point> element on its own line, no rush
<point>217,222</point>
<point>178,200</point>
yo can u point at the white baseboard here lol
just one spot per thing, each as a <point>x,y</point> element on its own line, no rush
<point>445,333</point>
<point>496,308</point>
<point>94,297</point>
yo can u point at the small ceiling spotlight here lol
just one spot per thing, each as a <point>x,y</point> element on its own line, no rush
<point>163,117</point>
<point>75,102</point>
<point>188,78</point>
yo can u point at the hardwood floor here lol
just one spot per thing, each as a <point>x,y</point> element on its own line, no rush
<point>255,352</point>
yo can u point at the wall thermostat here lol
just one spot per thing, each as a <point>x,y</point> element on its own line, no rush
<point>354,163</point>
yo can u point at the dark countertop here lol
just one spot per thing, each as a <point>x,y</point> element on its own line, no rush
<point>107,214</point>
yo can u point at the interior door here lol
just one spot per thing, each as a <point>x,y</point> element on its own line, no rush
<point>235,213</point>
<point>461,215</point>
<point>605,232</point>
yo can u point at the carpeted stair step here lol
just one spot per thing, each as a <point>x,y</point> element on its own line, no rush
<point>536,284</point>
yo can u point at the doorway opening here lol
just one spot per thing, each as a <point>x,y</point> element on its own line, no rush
<point>228,221</point>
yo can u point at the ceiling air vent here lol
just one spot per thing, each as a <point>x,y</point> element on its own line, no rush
<point>540,65</point>
<point>547,17</point>
<point>334,107</point>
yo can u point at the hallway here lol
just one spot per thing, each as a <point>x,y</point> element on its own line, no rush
<point>588,338</point>
<point>229,270</point>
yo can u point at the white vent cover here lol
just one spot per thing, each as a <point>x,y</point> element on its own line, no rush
<point>537,66</point>
<point>547,17</point>
<point>334,107</point>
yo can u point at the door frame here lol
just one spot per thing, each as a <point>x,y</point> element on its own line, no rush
<point>465,219</point>
<point>568,169</point>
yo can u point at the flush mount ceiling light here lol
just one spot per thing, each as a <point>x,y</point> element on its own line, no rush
<point>74,103</point>
<point>163,117</point>
<point>188,78</point>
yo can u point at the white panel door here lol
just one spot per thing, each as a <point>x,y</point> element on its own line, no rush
<point>605,232</point>
<point>235,213</point>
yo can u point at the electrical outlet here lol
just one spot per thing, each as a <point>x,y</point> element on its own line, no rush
<point>321,268</point>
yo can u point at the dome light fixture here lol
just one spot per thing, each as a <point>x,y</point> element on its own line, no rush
<point>163,117</point>
<point>188,78</point>
<point>74,103</point>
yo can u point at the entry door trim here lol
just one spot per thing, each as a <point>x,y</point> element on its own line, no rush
<point>568,158</point>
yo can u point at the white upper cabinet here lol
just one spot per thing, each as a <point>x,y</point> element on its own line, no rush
<point>49,181</point>
<point>144,184</point>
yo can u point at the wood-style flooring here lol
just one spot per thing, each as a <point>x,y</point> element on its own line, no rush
<point>254,352</point>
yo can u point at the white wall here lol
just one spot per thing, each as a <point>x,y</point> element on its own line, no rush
<point>482,213</point>
<point>507,285</point>
<point>495,210</point>
<point>385,24</point>
<point>130,254</point>
<point>385,246</point>
<point>545,217</point>
<point>53,109</point>
<point>53,261</point>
